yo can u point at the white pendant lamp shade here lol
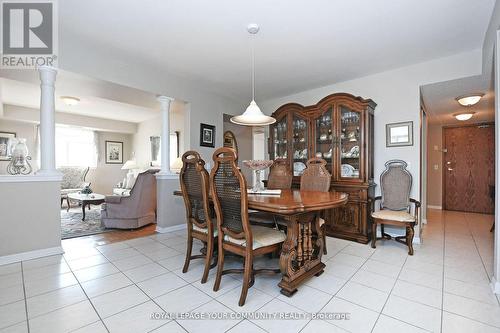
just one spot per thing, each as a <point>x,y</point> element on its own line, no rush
<point>253,116</point>
<point>464,116</point>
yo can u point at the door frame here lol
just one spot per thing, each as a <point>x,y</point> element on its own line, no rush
<point>445,150</point>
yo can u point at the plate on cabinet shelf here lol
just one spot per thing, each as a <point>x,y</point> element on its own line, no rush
<point>347,170</point>
<point>298,168</point>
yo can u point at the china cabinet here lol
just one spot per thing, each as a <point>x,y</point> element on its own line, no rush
<point>339,129</point>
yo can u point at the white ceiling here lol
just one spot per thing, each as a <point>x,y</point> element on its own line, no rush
<point>301,45</point>
<point>439,100</point>
<point>97,98</point>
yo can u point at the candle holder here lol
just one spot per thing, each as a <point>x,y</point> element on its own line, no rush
<point>258,166</point>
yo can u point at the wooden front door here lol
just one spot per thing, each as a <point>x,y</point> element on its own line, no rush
<point>468,168</point>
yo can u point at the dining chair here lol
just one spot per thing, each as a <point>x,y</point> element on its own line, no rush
<point>316,178</point>
<point>395,204</point>
<point>195,191</point>
<point>280,178</point>
<point>235,234</point>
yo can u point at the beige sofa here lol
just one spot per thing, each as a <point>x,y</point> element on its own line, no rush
<point>133,211</point>
<point>73,181</point>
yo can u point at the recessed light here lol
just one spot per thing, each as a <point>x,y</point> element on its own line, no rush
<point>69,100</point>
<point>469,100</point>
<point>463,116</point>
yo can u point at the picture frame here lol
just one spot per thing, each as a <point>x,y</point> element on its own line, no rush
<point>207,135</point>
<point>114,152</point>
<point>399,134</point>
<point>5,138</point>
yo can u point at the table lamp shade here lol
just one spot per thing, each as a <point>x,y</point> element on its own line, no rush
<point>130,164</point>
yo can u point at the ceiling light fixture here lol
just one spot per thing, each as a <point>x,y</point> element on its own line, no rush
<point>69,100</point>
<point>464,115</point>
<point>253,116</point>
<point>469,100</point>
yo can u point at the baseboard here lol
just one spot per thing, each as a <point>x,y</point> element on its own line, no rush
<point>424,221</point>
<point>495,285</point>
<point>416,240</point>
<point>23,256</point>
<point>177,227</point>
<point>434,207</point>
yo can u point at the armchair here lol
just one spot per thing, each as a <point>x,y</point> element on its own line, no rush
<point>73,181</point>
<point>395,204</point>
<point>135,210</point>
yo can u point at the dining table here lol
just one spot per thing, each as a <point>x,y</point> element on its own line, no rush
<point>300,257</point>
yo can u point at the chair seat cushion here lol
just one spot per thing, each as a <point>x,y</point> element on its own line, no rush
<point>67,191</point>
<point>394,215</point>
<point>204,230</point>
<point>262,236</point>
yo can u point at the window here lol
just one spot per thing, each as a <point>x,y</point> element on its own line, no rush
<point>75,147</point>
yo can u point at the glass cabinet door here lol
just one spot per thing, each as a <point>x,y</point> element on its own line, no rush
<point>324,138</point>
<point>280,139</point>
<point>300,135</point>
<point>350,143</point>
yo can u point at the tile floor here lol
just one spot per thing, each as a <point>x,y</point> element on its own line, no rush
<point>115,287</point>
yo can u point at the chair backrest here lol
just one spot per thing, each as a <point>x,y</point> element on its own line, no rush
<point>73,177</point>
<point>280,176</point>
<point>395,185</point>
<point>229,194</point>
<point>194,185</point>
<point>315,177</point>
<point>142,198</point>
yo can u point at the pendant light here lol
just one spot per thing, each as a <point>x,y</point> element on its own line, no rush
<point>253,116</point>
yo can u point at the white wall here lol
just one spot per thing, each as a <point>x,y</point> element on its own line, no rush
<point>397,95</point>
<point>179,121</point>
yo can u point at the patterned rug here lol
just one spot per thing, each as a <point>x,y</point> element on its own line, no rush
<point>73,226</point>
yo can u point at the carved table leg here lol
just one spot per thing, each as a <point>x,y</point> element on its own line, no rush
<point>301,256</point>
<point>83,210</point>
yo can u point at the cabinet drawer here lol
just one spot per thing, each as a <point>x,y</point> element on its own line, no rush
<point>355,194</point>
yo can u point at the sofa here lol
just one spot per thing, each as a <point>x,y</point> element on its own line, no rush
<point>73,180</point>
<point>135,210</point>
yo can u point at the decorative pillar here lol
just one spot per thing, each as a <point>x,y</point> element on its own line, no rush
<point>47,122</point>
<point>165,134</point>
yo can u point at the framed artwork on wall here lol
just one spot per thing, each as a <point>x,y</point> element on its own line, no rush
<point>114,152</point>
<point>5,138</point>
<point>399,134</point>
<point>207,135</point>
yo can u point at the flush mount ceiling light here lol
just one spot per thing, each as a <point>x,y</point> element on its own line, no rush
<point>469,100</point>
<point>69,100</point>
<point>253,116</point>
<point>464,115</point>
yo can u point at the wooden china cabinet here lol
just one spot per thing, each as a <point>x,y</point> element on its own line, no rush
<point>339,129</point>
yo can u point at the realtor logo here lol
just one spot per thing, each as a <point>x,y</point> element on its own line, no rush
<point>29,34</point>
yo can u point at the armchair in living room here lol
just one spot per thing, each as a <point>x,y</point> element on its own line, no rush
<point>73,180</point>
<point>133,211</point>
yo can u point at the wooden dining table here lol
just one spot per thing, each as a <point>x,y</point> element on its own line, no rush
<point>300,257</point>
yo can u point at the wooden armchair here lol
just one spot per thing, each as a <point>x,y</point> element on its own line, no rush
<point>280,178</point>
<point>195,188</point>
<point>235,234</point>
<point>395,204</point>
<point>316,178</point>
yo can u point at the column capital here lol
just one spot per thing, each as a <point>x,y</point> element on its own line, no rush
<point>164,99</point>
<point>47,74</point>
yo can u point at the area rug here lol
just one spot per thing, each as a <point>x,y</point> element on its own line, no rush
<point>73,226</point>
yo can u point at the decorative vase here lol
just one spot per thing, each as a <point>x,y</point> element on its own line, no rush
<point>258,166</point>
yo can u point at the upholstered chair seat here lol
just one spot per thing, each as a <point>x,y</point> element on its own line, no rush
<point>398,216</point>
<point>204,230</point>
<point>262,236</point>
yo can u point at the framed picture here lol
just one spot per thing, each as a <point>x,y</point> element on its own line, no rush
<point>5,138</point>
<point>399,134</point>
<point>114,152</point>
<point>207,135</point>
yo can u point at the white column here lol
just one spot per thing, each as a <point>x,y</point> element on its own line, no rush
<point>47,122</point>
<point>165,134</point>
